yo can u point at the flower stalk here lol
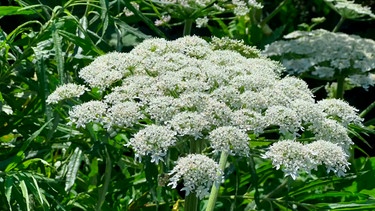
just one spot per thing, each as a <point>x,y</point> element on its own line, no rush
<point>215,189</point>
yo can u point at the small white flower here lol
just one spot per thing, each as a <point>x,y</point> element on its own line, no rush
<point>202,22</point>
<point>163,20</point>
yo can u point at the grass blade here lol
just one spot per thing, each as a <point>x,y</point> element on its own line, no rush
<point>25,194</point>
<point>9,181</point>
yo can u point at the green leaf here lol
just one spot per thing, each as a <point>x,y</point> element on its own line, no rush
<point>9,182</point>
<point>20,154</point>
<point>37,189</point>
<point>25,194</point>
<point>85,44</point>
<point>58,53</point>
<point>15,10</point>
<point>73,166</point>
<point>104,15</point>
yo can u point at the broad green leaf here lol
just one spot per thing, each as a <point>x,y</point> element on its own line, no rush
<point>104,15</point>
<point>25,194</point>
<point>73,166</point>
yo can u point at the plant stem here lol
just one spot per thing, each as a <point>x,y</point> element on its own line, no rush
<point>367,110</point>
<point>338,26</point>
<point>215,189</point>
<point>187,27</point>
<point>254,178</point>
<point>191,202</point>
<point>273,13</point>
<point>340,87</point>
<point>107,177</point>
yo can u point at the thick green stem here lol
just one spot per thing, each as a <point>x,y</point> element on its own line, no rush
<point>215,189</point>
<point>367,110</point>
<point>191,202</point>
<point>340,87</point>
<point>338,26</point>
<point>107,178</point>
<point>187,27</point>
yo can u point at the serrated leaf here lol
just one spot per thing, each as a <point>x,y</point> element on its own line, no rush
<point>58,53</point>
<point>73,166</point>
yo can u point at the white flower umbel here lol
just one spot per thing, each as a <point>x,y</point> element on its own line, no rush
<point>189,124</point>
<point>294,157</point>
<point>330,155</point>
<point>340,110</point>
<point>153,140</point>
<point>332,131</point>
<point>231,140</point>
<point>188,88</point>
<point>350,10</point>
<point>291,156</point>
<point>123,115</point>
<point>66,91</point>
<point>287,119</point>
<point>324,54</point>
<point>89,112</point>
<point>198,173</point>
<point>105,70</point>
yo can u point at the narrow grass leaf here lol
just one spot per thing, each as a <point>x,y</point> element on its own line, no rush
<point>9,182</point>
<point>73,166</point>
<point>25,194</point>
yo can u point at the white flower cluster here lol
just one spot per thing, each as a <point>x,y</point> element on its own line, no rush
<point>326,55</point>
<point>231,140</point>
<point>201,10</point>
<point>198,172</point>
<point>293,157</point>
<point>188,89</point>
<point>350,9</point>
<point>66,91</point>
<point>153,140</point>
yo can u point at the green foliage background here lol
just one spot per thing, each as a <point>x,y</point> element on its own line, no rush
<point>47,165</point>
